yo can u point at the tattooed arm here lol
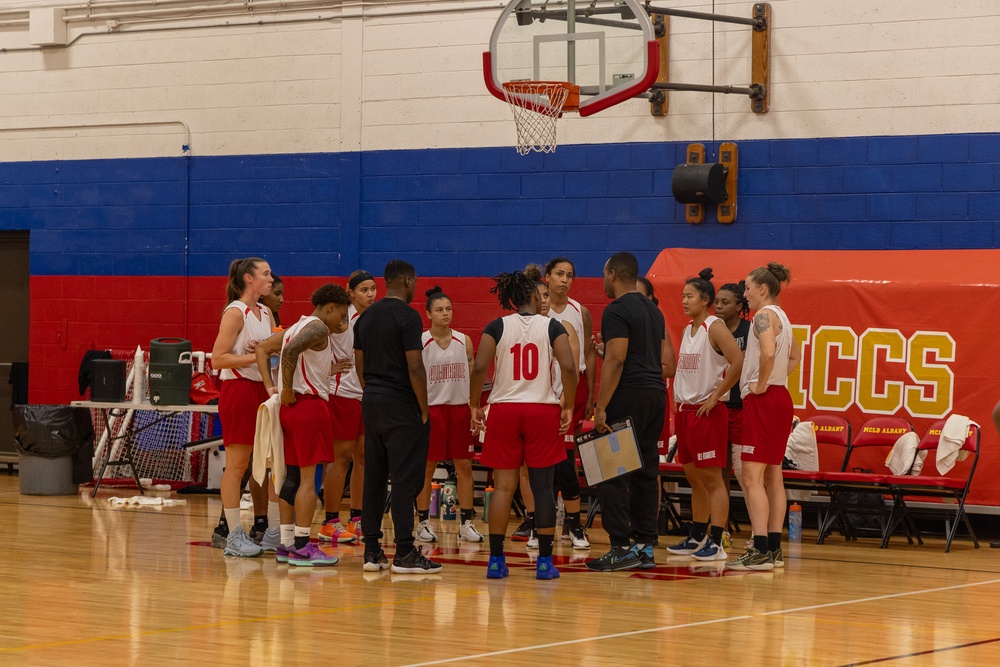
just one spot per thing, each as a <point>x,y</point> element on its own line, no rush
<point>314,336</point>
<point>766,327</point>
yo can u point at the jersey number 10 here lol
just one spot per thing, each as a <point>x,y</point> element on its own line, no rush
<point>525,361</point>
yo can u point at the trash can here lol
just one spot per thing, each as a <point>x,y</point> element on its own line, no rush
<point>55,445</point>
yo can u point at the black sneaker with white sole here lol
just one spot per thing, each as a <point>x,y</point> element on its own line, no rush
<point>415,562</point>
<point>375,562</point>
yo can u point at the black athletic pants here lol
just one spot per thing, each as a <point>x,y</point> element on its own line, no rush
<point>395,445</point>
<point>629,503</point>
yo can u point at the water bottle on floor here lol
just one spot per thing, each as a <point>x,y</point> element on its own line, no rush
<point>435,498</point>
<point>487,498</point>
<point>449,499</point>
<point>795,523</point>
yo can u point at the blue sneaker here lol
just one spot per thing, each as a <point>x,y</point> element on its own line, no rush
<point>711,551</point>
<point>646,559</point>
<point>544,569</point>
<point>497,568</point>
<point>271,540</point>
<point>687,546</point>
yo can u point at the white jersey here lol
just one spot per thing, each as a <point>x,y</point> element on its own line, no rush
<point>700,369</point>
<point>523,362</point>
<point>254,331</point>
<point>346,384</point>
<point>573,313</point>
<point>783,348</point>
<point>312,370</point>
<point>447,370</point>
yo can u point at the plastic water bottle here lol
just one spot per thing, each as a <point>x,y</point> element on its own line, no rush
<point>449,499</point>
<point>795,523</point>
<point>435,498</point>
<point>487,498</point>
<point>560,511</point>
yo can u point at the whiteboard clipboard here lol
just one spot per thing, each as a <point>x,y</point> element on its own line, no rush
<point>609,455</point>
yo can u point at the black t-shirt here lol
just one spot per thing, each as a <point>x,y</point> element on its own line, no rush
<point>634,317</point>
<point>384,333</point>
<point>741,334</point>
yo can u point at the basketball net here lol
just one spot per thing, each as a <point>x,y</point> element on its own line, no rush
<point>536,106</point>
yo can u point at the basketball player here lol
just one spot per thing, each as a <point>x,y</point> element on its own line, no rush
<point>559,275</point>
<point>447,357</point>
<point>244,324</point>
<point>767,413</point>
<point>303,384</point>
<point>387,355</point>
<point>638,356</point>
<point>348,426</point>
<point>708,366</point>
<point>525,422</point>
<point>731,307</point>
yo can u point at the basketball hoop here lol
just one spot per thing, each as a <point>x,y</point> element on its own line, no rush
<point>537,106</point>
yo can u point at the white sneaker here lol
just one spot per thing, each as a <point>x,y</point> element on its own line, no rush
<point>532,539</point>
<point>579,537</point>
<point>468,532</point>
<point>425,533</point>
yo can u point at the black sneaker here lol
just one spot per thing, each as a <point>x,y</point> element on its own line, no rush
<point>219,539</point>
<point>523,531</point>
<point>256,536</point>
<point>618,558</point>
<point>376,562</point>
<point>415,563</point>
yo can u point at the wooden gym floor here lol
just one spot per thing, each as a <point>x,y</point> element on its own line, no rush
<point>83,583</point>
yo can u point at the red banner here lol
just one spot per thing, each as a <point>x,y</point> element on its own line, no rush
<point>904,333</point>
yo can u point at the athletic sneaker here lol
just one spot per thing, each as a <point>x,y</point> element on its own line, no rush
<point>752,560</point>
<point>355,527</point>
<point>281,553</point>
<point>334,531</point>
<point>687,546</point>
<point>240,545</point>
<point>564,533</point>
<point>375,562</point>
<point>778,557</point>
<point>219,539</point>
<point>532,539</point>
<point>497,568</point>
<point>425,533</point>
<point>256,535</point>
<point>467,531</point>
<point>271,539</point>
<point>711,551</point>
<point>646,559</point>
<point>523,532</point>
<point>618,558</point>
<point>415,562</point>
<point>579,537</point>
<point>311,556</point>
<point>544,569</point>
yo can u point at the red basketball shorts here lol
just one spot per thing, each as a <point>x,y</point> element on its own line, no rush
<point>238,403</point>
<point>767,421</point>
<point>307,430</point>
<point>702,440</point>
<point>522,433</point>
<point>451,433</point>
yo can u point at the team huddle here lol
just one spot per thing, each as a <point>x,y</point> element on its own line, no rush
<point>358,384</point>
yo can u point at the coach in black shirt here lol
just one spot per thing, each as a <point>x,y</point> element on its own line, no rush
<point>387,353</point>
<point>638,357</point>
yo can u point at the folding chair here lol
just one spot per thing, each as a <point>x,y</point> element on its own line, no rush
<point>833,441</point>
<point>931,484</point>
<point>880,434</point>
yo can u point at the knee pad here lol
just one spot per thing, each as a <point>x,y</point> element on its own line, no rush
<point>291,486</point>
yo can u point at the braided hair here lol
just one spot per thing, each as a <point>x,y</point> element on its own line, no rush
<point>738,289</point>
<point>513,289</point>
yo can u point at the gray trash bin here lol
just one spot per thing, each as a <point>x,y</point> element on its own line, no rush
<point>46,477</point>
<point>53,441</point>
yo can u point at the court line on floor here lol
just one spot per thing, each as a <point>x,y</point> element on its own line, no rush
<point>633,633</point>
<point>920,653</point>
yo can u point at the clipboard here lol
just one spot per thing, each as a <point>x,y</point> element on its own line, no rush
<point>609,455</point>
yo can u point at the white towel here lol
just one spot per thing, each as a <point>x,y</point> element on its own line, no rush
<point>904,458</point>
<point>801,449</point>
<point>953,437</point>
<point>269,444</point>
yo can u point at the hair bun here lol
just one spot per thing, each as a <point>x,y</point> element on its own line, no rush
<point>706,274</point>
<point>434,290</point>
<point>779,271</point>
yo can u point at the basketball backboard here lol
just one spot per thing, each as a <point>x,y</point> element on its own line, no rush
<point>607,47</point>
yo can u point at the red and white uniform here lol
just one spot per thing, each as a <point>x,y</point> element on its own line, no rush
<point>700,369</point>
<point>312,369</point>
<point>523,423</point>
<point>346,384</point>
<point>448,397</point>
<point>306,423</point>
<point>254,331</point>
<point>572,314</point>
<point>767,417</point>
